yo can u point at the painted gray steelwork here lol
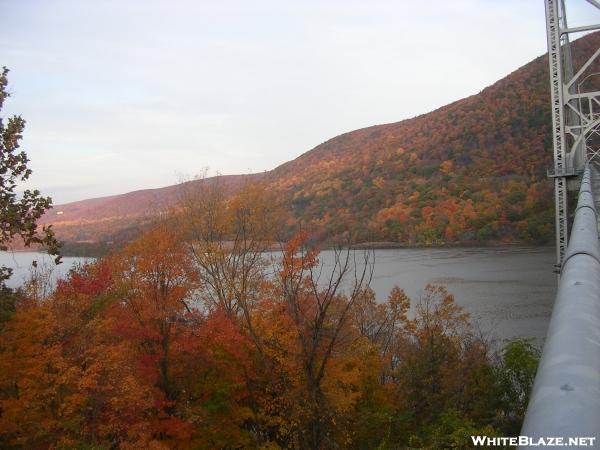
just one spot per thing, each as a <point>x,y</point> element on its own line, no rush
<point>566,396</point>
<point>555,60</point>
<point>565,401</point>
<point>575,111</point>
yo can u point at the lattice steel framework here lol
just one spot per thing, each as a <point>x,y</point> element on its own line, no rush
<point>575,114</point>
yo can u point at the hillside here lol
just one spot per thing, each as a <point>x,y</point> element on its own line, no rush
<point>120,217</point>
<point>471,171</point>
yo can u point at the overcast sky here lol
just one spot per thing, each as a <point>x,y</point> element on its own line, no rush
<point>123,95</point>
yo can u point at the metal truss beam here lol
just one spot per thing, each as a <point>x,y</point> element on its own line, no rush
<point>558,132</point>
<point>594,2</point>
<point>580,29</point>
<point>583,68</point>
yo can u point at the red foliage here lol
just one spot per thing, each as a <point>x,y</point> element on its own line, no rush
<point>89,279</point>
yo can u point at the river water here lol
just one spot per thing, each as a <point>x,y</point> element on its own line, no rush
<point>508,291</point>
<point>20,262</point>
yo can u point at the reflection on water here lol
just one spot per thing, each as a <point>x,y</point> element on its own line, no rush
<point>507,290</point>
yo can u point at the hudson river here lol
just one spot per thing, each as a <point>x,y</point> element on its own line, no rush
<point>508,291</point>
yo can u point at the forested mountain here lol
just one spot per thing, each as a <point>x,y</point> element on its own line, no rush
<point>120,218</point>
<point>474,170</point>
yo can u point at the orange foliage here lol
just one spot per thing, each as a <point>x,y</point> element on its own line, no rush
<point>126,354</point>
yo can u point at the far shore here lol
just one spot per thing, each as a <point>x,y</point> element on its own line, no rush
<point>388,245</point>
<point>99,249</point>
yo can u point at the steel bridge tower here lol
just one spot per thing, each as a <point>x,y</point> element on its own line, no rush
<point>565,400</point>
<point>575,113</point>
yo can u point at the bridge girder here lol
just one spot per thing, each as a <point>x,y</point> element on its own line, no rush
<point>575,111</point>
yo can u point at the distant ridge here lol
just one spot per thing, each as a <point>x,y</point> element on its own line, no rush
<point>119,217</point>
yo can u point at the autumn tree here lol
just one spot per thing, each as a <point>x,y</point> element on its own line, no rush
<point>516,373</point>
<point>155,273</point>
<point>319,312</point>
<point>442,365</point>
<point>383,323</point>
<point>228,236</point>
<point>123,355</point>
<point>33,388</point>
<point>187,357</point>
<point>19,215</point>
<point>190,338</point>
<point>43,351</point>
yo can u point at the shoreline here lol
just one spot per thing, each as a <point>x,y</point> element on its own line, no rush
<point>383,245</point>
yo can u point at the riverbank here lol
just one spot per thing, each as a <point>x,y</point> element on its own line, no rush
<point>389,245</point>
<point>99,249</point>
